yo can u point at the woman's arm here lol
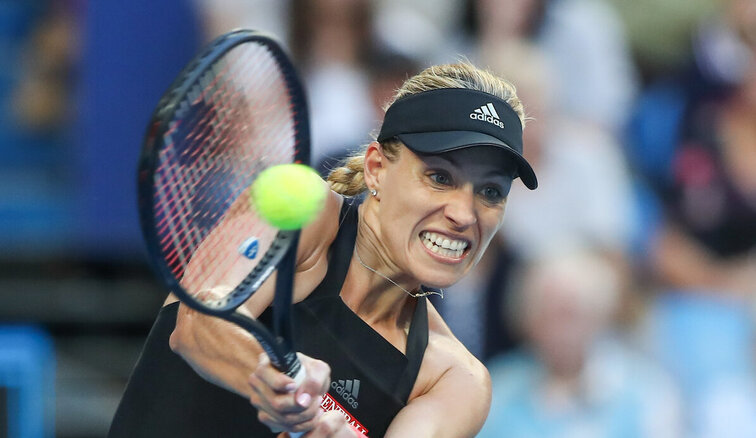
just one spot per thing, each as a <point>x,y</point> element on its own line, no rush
<point>452,395</point>
<point>217,350</point>
<point>456,405</point>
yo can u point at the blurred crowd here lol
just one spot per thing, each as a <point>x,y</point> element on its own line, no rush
<point>619,299</point>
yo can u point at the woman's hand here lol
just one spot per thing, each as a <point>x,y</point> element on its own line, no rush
<point>281,405</point>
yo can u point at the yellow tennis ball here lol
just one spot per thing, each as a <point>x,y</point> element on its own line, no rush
<point>288,196</point>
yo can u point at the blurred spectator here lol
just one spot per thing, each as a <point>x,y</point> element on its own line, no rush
<point>587,42</point>
<point>386,71</point>
<point>692,142</point>
<point>707,345</point>
<point>659,31</point>
<point>584,194</point>
<point>692,145</point>
<point>331,40</point>
<point>39,47</point>
<point>583,39</point>
<point>424,30</point>
<point>574,378</point>
<point>221,16</point>
<point>41,99</point>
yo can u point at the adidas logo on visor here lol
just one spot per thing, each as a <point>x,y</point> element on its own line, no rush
<point>487,113</point>
<point>348,390</point>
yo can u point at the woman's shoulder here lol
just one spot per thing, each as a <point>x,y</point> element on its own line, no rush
<point>447,360</point>
<point>320,233</point>
<point>314,241</point>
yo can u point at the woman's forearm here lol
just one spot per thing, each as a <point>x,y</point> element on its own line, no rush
<point>217,350</point>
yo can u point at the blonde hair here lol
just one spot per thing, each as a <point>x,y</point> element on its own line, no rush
<point>348,179</point>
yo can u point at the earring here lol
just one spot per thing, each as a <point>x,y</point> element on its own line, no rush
<point>374,192</point>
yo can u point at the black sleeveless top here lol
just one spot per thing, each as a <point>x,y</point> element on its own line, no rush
<point>370,379</point>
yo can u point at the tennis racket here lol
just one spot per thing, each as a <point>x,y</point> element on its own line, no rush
<point>236,109</point>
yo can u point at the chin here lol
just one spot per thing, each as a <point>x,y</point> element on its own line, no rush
<point>439,282</point>
<point>442,275</point>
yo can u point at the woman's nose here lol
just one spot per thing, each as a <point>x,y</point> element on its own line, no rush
<point>460,208</point>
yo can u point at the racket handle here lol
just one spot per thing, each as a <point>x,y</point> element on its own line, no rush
<point>300,376</point>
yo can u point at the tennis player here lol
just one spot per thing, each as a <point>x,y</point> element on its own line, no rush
<point>380,361</point>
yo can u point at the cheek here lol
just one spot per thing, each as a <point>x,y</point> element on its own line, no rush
<point>408,201</point>
<point>399,213</point>
<point>491,223</point>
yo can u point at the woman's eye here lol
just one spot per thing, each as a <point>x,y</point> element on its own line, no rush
<point>492,194</point>
<point>440,178</point>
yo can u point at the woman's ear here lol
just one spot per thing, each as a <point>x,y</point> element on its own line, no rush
<point>375,166</point>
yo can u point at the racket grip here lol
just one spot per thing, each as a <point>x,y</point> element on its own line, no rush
<point>300,376</point>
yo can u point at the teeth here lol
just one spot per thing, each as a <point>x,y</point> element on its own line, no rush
<point>443,245</point>
<point>449,253</point>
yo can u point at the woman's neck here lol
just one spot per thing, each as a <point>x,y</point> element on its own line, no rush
<point>376,297</point>
<point>374,288</point>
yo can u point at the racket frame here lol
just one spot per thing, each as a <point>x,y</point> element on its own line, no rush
<point>282,253</point>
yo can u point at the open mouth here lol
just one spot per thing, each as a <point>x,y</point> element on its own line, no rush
<point>443,245</point>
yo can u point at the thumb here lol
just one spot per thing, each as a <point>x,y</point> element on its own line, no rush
<point>316,382</point>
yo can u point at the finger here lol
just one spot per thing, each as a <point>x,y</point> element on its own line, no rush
<point>273,378</point>
<point>295,423</point>
<point>292,418</point>
<point>310,423</point>
<point>272,424</point>
<point>305,420</point>
<point>277,404</point>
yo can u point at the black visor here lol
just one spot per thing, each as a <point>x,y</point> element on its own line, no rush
<point>447,119</point>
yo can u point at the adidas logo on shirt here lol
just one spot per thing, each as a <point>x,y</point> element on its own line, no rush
<point>348,390</point>
<point>487,113</point>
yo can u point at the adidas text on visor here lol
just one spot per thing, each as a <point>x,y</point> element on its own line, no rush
<point>447,119</point>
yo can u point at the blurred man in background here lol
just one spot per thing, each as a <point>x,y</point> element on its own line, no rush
<point>574,377</point>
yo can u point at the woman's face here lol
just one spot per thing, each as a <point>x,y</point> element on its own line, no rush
<point>437,213</point>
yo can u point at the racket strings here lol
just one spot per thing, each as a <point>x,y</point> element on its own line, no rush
<point>248,165</point>
<point>237,120</point>
<point>212,162</point>
<point>205,159</point>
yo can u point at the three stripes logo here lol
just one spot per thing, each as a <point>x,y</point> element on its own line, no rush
<point>487,113</point>
<point>349,390</point>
